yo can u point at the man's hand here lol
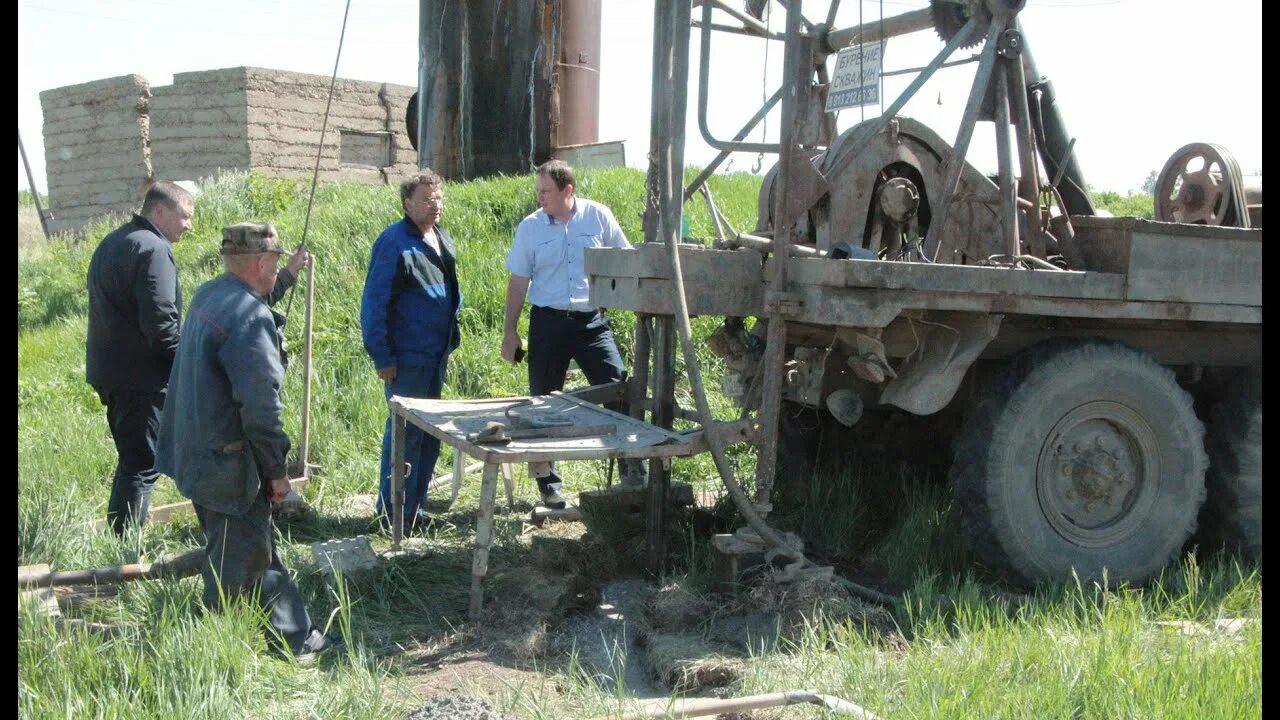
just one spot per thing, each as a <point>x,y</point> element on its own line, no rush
<point>277,490</point>
<point>510,343</point>
<point>297,261</point>
<point>387,373</point>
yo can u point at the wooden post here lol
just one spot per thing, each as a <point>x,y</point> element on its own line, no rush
<point>484,537</point>
<point>397,474</point>
<point>304,445</point>
<point>459,470</point>
<point>509,485</point>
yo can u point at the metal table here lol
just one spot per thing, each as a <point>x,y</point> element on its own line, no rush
<point>538,425</point>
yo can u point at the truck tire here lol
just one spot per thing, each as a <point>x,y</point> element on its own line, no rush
<point>1233,510</point>
<point>1087,457</point>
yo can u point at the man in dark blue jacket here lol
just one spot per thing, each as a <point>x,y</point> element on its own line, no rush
<point>222,433</point>
<point>135,307</point>
<point>409,321</point>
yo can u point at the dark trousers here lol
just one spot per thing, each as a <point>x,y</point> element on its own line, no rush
<point>134,419</point>
<point>241,559</point>
<point>555,338</point>
<point>416,378</point>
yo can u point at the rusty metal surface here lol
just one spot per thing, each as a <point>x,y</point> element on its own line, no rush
<point>575,101</point>
<point>779,304</point>
<point>949,344</point>
<point>905,148</point>
<point>504,83</point>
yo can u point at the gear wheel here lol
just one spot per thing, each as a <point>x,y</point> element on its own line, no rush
<point>950,16</point>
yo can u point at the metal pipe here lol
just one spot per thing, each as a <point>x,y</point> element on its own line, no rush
<point>712,431</point>
<point>641,350</point>
<point>1029,176</point>
<point>578,74</point>
<point>892,26</point>
<point>806,24</point>
<point>31,183</point>
<point>941,205</point>
<point>704,79</point>
<point>737,14</point>
<point>662,214</point>
<point>426,70</point>
<point>765,245</point>
<point>715,213</point>
<point>1029,182</point>
<point>711,167</point>
<point>1055,141</point>
<point>953,63</point>
<point>180,565</point>
<point>1004,162</point>
<point>1042,264</point>
<point>701,707</point>
<point>741,31</point>
<point>796,72</point>
<point>850,150</point>
<point>832,9</point>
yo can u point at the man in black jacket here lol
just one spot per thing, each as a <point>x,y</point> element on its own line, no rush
<point>135,308</point>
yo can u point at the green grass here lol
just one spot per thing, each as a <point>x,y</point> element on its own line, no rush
<point>1071,652</point>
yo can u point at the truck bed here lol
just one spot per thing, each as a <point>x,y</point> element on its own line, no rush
<point>1136,270</point>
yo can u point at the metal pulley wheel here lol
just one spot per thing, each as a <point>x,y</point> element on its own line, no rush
<point>899,200</point>
<point>1202,185</point>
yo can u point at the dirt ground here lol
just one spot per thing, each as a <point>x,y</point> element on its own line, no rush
<point>580,613</point>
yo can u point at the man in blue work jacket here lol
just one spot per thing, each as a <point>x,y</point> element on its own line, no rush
<point>545,264</point>
<point>409,322</point>
<point>222,435</point>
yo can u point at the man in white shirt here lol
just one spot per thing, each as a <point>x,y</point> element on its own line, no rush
<point>546,265</point>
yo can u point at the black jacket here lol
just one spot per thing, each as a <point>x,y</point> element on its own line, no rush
<point>135,309</point>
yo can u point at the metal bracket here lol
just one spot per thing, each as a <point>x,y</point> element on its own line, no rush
<point>1010,44</point>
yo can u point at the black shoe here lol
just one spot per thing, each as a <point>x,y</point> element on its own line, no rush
<point>418,524</point>
<point>317,644</point>
<point>550,487</point>
<point>551,499</point>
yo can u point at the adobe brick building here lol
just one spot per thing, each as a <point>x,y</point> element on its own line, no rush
<point>104,140</point>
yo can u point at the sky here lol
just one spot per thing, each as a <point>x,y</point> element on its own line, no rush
<point>1136,79</point>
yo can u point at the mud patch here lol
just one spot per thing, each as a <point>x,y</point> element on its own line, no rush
<point>455,707</point>
<point>688,663</point>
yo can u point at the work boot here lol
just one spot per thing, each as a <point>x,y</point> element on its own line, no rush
<point>417,523</point>
<point>316,644</point>
<point>550,487</point>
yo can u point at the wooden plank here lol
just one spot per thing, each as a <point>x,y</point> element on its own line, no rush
<point>542,514</point>
<point>42,600</point>
<point>173,511</point>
